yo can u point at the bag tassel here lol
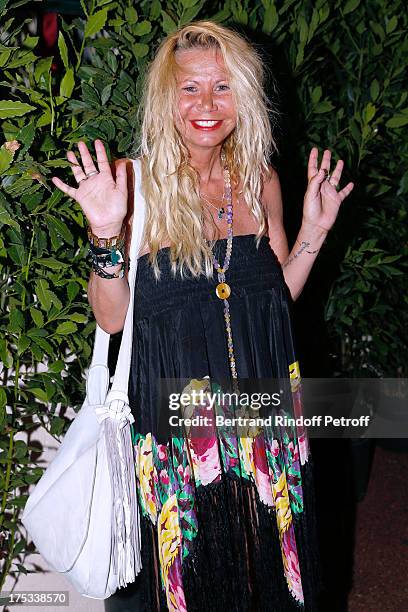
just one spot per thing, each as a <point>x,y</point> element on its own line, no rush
<point>126,554</point>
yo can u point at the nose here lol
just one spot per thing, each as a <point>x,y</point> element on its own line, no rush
<point>206,102</point>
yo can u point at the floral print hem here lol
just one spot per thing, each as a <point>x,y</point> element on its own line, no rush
<point>226,511</point>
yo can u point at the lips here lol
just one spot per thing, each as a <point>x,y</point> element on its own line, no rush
<point>207,128</point>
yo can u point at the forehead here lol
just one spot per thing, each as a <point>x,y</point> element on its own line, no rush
<point>199,62</point>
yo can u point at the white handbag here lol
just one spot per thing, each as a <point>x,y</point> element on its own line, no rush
<point>82,514</point>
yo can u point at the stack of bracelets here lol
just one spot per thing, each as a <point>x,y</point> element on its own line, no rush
<point>107,253</point>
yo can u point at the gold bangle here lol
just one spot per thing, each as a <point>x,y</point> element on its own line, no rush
<point>106,243</point>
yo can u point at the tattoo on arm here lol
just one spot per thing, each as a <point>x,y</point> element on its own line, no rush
<point>303,246</point>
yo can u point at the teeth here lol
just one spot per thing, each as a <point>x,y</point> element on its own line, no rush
<point>206,123</point>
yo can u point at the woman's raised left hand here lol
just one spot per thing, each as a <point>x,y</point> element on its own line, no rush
<point>322,200</point>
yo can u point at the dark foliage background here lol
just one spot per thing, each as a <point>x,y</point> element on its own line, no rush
<point>337,75</point>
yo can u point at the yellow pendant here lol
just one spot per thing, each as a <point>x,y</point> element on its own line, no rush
<point>223,291</point>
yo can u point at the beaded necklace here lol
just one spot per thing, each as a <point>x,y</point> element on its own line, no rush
<point>223,290</point>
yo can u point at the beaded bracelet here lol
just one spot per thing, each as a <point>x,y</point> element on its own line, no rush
<point>102,257</point>
<point>106,258</point>
<point>101,272</point>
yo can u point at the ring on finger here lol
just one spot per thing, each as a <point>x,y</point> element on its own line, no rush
<point>88,174</point>
<point>82,179</point>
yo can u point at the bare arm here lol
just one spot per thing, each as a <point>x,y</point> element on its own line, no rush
<point>109,298</point>
<point>296,264</point>
<point>320,209</point>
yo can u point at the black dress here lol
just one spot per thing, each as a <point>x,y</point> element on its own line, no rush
<point>227,520</point>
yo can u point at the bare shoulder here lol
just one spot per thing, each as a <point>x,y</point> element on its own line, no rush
<point>271,193</point>
<point>272,201</point>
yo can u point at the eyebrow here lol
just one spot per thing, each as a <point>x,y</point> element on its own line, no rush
<point>193,81</point>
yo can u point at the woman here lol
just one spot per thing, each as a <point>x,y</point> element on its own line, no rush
<point>227,520</point>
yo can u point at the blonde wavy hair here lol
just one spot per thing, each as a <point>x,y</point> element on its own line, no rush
<point>174,211</point>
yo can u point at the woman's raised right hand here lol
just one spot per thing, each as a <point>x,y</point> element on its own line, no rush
<point>102,198</point>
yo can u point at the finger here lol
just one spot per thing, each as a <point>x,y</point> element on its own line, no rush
<point>121,176</point>
<point>346,191</point>
<point>325,165</point>
<point>314,185</point>
<point>76,167</point>
<point>70,191</point>
<point>87,161</point>
<point>102,158</point>
<point>336,174</point>
<point>312,165</point>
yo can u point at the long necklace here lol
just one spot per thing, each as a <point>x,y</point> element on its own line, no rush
<point>223,290</point>
<point>220,210</point>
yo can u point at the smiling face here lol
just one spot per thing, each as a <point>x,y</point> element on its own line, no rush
<point>206,111</point>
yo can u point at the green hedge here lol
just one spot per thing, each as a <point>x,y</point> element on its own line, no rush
<point>343,66</point>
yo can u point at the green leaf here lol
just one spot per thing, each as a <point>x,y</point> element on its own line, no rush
<point>5,216</point>
<point>23,344</point>
<point>78,317</point>
<point>350,6</point>
<point>131,15</point>
<point>369,112</point>
<point>303,32</point>
<point>61,228</point>
<point>169,25</point>
<point>22,58</point>
<point>40,394</point>
<point>51,262</point>
<point>16,319</point>
<point>27,133</point>
<point>397,121</point>
<point>67,327</point>
<point>112,61</point>
<point>95,23</point>
<point>37,316</point>
<point>56,367</point>
<point>44,345</point>
<point>72,290</point>
<point>13,108</point>
<point>46,297</point>
<point>67,84</point>
<point>316,94</point>
<point>5,355</point>
<point>140,49</point>
<point>391,24</point>
<point>323,107</point>
<point>271,19</point>
<point>142,28</point>
<point>57,426</point>
<point>106,93</point>
<point>374,90</point>
<point>6,157</point>
<point>62,46</point>
<point>43,294</point>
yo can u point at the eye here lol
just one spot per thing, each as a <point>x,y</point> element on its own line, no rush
<point>226,86</point>
<point>188,88</point>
